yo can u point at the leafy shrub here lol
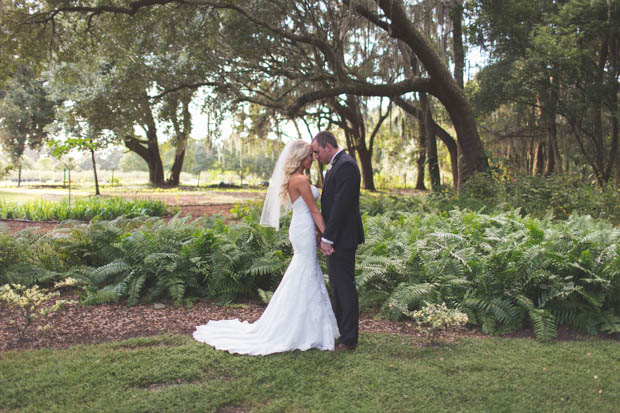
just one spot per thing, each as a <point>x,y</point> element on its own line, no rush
<point>536,196</point>
<point>178,259</point>
<point>432,319</point>
<point>504,271</point>
<point>32,303</point>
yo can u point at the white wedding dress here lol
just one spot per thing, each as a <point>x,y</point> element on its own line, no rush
<point>299,315</point>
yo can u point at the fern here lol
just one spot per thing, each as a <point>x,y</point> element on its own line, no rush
<point>413,295</point>
<point>265,296</point>
<point>109,272</point>
<point>543,323</point>
<point>610,323</point>
<point>134,288</point>
<point>176,288</point>
<point>105,295</point>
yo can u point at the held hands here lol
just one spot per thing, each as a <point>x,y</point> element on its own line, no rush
<point>326,248</point>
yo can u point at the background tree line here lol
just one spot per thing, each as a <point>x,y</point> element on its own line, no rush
<point>379,71</point>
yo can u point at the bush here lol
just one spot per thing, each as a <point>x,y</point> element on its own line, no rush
<point>504,271</point>
<point>32,303</point>
<point>432,319</point>
<point>535,196</point>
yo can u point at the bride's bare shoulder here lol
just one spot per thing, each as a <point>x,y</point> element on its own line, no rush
<point>299,180</point>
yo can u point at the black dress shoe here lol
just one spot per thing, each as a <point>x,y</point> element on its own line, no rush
<point>343,347</point>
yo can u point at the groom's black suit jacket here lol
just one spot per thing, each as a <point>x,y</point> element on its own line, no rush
<point>340,203</point>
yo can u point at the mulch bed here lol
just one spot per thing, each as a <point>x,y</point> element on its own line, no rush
<point>77,324</point>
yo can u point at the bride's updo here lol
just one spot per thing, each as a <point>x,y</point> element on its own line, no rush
<point>298,152</point>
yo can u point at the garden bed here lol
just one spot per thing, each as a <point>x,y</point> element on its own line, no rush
<point>196,210</point>
<point>77,324</point>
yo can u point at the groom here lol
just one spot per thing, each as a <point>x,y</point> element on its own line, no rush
<point>340,207</point>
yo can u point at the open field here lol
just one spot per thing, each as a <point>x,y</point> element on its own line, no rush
<point>177,196</point>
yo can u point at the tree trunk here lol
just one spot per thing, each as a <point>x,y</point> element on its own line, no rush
<point>92,158</point>
<point>19,176</point>
<point>149,149</point>
<point>352,122</point>
<point>432,158</point>
<point>177,166</point>
<point>366,169</point>
<point>419,184</point>
<point>453,150</point>
<point>538,162</point>
<point>421,161</point>
<point>614,156</point>
<point>443,86</point>
<point>182,136</point>
<point>456,15</point>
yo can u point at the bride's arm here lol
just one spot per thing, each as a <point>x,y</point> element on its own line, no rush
<point>303,186</point>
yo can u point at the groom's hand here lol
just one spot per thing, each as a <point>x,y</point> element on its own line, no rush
<point>327,248</point>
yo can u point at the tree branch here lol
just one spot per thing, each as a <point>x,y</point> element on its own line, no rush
<point>181,87</point>
<point>364,89</point>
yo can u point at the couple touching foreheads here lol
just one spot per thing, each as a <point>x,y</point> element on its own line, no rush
<point>299,315</point>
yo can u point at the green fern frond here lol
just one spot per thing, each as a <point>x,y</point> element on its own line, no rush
<point>373,299</point>
<point>414,294</point>
<point>106,273</point>
<point>105,295</point>
<point>272,263</point>
<point>462,256</point>
<point>590,297</point>
<point>447,236</point>
<point>610,323</point>
<point>176,288</point>
<point>265,296</point>
<point>543,323</point>
<point>134,288</point>
<point>488,323</point>
<point>564,316</point>
<point>502,309</point>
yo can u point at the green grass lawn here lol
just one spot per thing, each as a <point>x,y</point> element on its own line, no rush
<point>385,374</point>
<point>172,195</point>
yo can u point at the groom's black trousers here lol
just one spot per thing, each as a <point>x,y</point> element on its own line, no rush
<point>341,271</point>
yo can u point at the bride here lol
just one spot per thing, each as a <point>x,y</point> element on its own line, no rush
<point>299,314</point>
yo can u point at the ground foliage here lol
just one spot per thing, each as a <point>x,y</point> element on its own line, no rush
<point>504,268</point>
<point>82,209</point>
<point>536,196</point>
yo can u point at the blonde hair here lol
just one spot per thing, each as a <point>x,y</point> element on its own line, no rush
<point>298,152</point>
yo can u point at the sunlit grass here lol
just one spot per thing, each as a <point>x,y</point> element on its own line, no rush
<point>21,195</point>
<point>385,374</point>
<point>84,209</point>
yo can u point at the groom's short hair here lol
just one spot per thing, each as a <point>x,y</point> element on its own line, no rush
<point>325,137</point>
